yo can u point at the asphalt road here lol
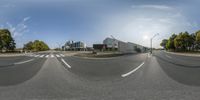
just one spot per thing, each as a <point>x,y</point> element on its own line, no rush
<point>53,76</point>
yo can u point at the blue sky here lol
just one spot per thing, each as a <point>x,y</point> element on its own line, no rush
<point>90,21</point>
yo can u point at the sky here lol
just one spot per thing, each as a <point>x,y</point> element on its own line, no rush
<point>91,21</point>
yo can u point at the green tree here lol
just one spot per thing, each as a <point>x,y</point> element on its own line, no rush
<point>197,40</point>
<point>36,46</point>
<point>183,41</point>
<point>6,40</point>
<point>164,43</point>
<point>193,40</point>
<point>170,43</point>
<point>28,46</point>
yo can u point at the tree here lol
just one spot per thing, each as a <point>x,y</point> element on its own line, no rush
<point>170,43</point>
<point>28,46</point>
<point>164,43</point>
<point>193,40</point>
<point>36,46</point>
<point>197,40</point>
<point>183,41</point>
<point>6,40</point>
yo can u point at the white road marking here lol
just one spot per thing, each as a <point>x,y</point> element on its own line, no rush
<point>24,62</point>
<point>149,55</point>
<point>62,55</point>
<point>57,56</point>
<point>32,55</point>
<point>36,55</point>
<point>52,56</point>
<point>124,75</point>
<point>66,63</point>
<point>168,56</point>
<point>41,56</point>
<point>47,56</point>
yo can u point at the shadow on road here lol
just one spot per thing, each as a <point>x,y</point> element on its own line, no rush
<point>184,75</point>
<point>17,74</point>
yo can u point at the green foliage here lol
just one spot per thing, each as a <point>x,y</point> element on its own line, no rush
<point>197,45</point>
<point>198,36</point>
<point>6,40</point>
<point>170,43</point>
<point>36,46</point>
<point>164,43</point>
<point>182,42</point>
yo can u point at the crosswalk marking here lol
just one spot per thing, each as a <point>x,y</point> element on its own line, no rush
<point>41,56</point>
<point>57,55</point>
<point>47,56</point>
<point>52,56</point>
<point>36,55</point>
<point>62,55</point>
<point>31,55</point>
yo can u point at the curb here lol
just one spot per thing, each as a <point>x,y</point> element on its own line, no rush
<point>181,54</point>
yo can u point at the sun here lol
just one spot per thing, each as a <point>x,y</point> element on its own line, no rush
<point>145,37</point>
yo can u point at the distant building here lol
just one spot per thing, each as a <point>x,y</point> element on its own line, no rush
<point>72,45</point>
<point>100,47</point>
<point>111,43</point>
<point>125,47</point>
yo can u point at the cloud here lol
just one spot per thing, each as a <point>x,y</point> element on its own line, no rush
<point>19,29</point>
<point>133,25</point>
<point>26,18</point>
<point>160,7</point>
<point>8,6</point>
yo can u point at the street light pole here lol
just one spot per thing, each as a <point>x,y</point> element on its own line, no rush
<point>151,42</point>
<point>59,46</point>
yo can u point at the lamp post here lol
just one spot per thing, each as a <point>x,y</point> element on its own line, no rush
<point>59,45</point>
<point>151,42</point>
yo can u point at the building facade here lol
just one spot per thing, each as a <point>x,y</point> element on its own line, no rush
<point>124,47</point>
<point>111,43</point>
<point>76,46</point>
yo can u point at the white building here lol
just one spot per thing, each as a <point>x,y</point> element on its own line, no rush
<point>72,45</point>
<point>111,43</point>
<point>124,47</point>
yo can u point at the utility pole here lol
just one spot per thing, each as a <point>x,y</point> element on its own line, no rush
<point>151,44</point>
<point>59,45</point>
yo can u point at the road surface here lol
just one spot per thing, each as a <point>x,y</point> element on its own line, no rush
<point>54,76</point>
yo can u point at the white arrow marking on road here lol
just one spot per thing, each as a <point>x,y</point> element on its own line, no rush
<point>124,75</point>
<point>47,56</point>
<point>57,56</point>
<point>66,63</point>
<point>23,62</point>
